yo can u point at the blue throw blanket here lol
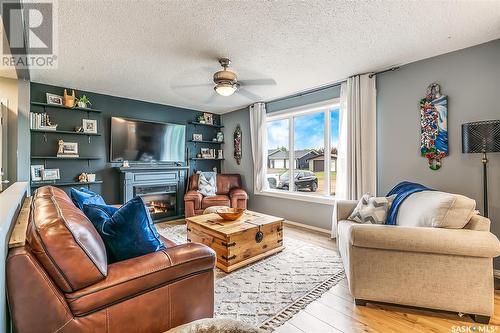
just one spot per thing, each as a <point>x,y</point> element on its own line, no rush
<point>402,190</point>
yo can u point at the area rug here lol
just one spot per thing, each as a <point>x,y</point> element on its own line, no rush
<point>269,292</point>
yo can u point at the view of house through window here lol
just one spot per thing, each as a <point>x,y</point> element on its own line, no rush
<point>296,144</point>
<point>278,156</point>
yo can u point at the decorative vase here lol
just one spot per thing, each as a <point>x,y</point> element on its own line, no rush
<point>69,100</point>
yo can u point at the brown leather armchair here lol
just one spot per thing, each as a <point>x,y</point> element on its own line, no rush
<point>229,193</point>
<point>60,280</point>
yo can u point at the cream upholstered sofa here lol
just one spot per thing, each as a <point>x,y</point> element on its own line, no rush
<point>437,268</point>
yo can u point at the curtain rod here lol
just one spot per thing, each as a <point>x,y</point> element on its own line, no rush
<point>392,69</point>
<point>331,85</point>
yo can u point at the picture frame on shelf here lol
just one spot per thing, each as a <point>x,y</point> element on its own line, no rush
<point>67,149</point>
<point>50,174</point>
<point>36,172</point>
<point>89,126</point>
<point>197,137</point>
<point>54,99</point>
<point>205,153</point>
<point>209,118</point>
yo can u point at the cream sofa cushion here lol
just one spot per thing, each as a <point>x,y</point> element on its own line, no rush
<point>436,209</point>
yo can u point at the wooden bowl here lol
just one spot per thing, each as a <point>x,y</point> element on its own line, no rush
<point>231,214</point>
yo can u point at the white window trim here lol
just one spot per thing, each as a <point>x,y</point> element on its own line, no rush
<point>319,199</point>
<point>290,114</point>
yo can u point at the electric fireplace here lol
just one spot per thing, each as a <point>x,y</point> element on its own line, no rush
<point>161,200</point>
<point>161,187</point>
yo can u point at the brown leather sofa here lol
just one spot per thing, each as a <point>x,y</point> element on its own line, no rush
<point>60,281</point>
<point>229,193</point>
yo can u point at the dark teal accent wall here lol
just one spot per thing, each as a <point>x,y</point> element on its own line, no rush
<point>111,106</point>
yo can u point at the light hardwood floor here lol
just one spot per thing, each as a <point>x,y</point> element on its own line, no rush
<point>335,311</point>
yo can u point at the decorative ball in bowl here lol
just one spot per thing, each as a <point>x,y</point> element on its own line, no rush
<point>231,214</point>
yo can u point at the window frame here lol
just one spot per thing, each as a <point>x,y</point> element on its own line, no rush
<point>290,114</point>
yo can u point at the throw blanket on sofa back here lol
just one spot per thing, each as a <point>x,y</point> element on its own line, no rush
<point>402,190</point>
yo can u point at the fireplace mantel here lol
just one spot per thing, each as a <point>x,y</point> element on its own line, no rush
<point>135,179</point>
<point>143,168</point>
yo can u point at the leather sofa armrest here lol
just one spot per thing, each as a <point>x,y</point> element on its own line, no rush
<point>238,193</point>
<point>194,196</point>
<point>132,277</point>
<point>460,242</point>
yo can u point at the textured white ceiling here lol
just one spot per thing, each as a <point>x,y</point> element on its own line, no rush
<point>148,50</point>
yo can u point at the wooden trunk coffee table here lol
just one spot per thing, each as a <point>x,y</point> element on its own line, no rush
<point>237,243</point>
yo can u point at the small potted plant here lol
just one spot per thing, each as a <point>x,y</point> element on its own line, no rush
<point>83,102</point>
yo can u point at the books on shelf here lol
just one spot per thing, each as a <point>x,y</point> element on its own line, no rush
<point>41,121</point>
<point>68,155</point>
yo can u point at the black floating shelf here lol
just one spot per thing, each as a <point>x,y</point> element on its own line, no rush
<point>66,158</point>
<point>63,107</point>
<point>206,141</point>
<point>206,159</point>
<point>56,183</point>
<point>64,132</point>
<point>209,125</point>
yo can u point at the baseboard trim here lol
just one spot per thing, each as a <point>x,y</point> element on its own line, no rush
<point>310,227</point>
<point>496,273</point>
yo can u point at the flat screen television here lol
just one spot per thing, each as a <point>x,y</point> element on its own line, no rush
<point>146,142</point>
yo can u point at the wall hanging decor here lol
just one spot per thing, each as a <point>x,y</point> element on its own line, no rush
<point>237,144</point>
<point>433,126</point>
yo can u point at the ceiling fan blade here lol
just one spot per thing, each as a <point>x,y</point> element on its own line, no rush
<point>251,96</point>
<point>258,82</point>
<point>184,86</point>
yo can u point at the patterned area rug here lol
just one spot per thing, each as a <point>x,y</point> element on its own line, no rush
<point>269,292</point>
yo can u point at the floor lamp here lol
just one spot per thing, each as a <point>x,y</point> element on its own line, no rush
<point>482,137</point>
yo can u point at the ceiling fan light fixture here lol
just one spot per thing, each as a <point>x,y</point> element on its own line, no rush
<point>225,88</point>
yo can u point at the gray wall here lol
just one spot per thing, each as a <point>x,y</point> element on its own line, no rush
<point>314,214</point>
<point>23,140</point>
<point>471,79</point>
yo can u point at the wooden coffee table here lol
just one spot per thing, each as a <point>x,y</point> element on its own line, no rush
<point>237,243</point>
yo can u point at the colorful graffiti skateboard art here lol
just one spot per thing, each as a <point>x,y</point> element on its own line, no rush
<point>433,126</point>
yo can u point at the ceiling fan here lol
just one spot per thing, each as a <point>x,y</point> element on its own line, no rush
<point>227,83</point>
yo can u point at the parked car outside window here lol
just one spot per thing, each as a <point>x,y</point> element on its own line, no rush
<point>304,180</point>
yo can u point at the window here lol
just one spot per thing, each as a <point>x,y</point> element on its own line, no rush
<point>296,144</point>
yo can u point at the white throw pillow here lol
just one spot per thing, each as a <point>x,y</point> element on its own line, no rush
<point>372,209</point>
<point>207,185</point>
<point>435,209</point>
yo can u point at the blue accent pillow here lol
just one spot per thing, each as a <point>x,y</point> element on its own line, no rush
<point>127,232</point>
<point>84,196</point>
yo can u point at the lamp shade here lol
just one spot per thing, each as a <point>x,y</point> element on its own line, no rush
<point>481,137</point>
